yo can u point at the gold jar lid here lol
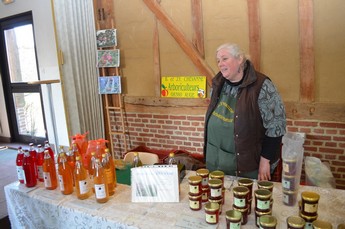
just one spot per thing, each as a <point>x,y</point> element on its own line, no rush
<point>268,221</point>
<point>308,218</point>
<point>265,184</point>
<point>233,215</point>
<point>217,174</point>
<point>290,160</point>
<point>194,197</point>
<point>214,182</point>
<point>245,182</point>
<point>295,221</point>
<point>215,201</point>
<point>202,172</point>
<point>258,213</point>
<point>240,190</point>
<point>240,209</point>
<point>288,177</point>
<point>263,193</point>
<point>320,224</point>
<point>211,206</point>
<point>310,196</point>
<point>289,192</point>
<point>194,179</point>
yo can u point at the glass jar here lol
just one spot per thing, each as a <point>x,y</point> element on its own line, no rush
<point>216,187</point>
<point>195,202</point>
<point>268,222</point>
<point>309,203</point>
<point>240,196</point>
<point>295,222</point>
<point>308,220</point>
<point>258,214</point>
<point>244,212</point>
<point>262,200</point>
<point>218,202</point>
<point>289,183</point>
<point>266,185</point>
<point>205,194</point>
<point>233,219</point>
<point>195,185</point>
<point>212,213</point>
<point>247,183</point>
<point>204,173</point>
<point>341,226</point>
<point>320,224</point>
<point>217,174</point>
<point>289,197</point>
<point>289,166</point>
<point>250,206</point>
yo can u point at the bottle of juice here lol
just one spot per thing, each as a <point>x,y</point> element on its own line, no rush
<point>49,172</point>
<point>109,174</point>
<point>81,180</point>
<point>33,154</point>
<point>100,183</point>
<point>75,150</point>
<point>91,169</point>
<point>65,175</point>
<point>39,162</point>
<point>49,148</point>
<point>172,159</point>
<point>19,164</point>
<point>30,179</point>
<point>71,158</point>
<point>136,160</point>
<point>112,164</point>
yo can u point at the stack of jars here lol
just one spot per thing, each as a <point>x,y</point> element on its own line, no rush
<point>217,189</point>
<point>205,189</point>
<point>263,200</point>
<point>195,192</point>
<point>290,180</point>
<point>241,202</point>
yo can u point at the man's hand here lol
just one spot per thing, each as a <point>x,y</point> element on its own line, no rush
<point>264,169</point>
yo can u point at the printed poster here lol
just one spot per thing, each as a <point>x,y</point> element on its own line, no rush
<point>106,38</point>
<point>108,58</point>
<point>183,87</point>
<point>109,84</point>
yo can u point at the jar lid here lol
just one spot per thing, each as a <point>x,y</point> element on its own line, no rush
<point>289,177</point>
<point>240,209</point>
<point>290,192</point>
<point>265,184</point>
<point>268,221</point>
<point>240,190</point>
<point>263,193</point>
<point>307,218</point>
<point>233,215</point>
<point>289,160</point>
<point>194,179</point>
<point>217,174</point>
<point>320,224</point>
<point>310,196</point>
<point>245,182</point>
<point>216,201</point>
<point>259,213</point>
<point>195,197</point>
<point>295,221</point>
<point>214,182</point>
<point>202,172</point>
<point>211,206</point>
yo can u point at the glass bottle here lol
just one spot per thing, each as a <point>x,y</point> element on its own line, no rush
<point>29,169</point>
<point>39,162</point>
<point>136,160</point>
<point>75,150</point>
<point>49,148</point>
<point>109,175</point>
<point>112,164</point>
<point>81,180</point>
<point>49,172</point>
<point>65,175</point>
<point>71,158</point>
<point>92,165</point>
<point>33,154</point>
<point>19,165</point>
<point>99,150</point>
<point>172,159</point>
<point>100,183</point>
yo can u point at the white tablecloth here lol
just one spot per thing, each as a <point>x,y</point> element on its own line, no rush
<point>40,208</point>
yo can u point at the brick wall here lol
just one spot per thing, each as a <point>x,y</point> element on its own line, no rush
<point>325,140</point>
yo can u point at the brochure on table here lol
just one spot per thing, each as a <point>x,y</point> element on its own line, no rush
<point>155,183</point>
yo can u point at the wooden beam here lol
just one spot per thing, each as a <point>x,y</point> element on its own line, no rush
<point>198,27</point>
<point>181,39</point>
<point>156,59</point>
<point>254,32</point>
<point>307,62</point>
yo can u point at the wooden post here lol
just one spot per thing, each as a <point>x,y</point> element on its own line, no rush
<point>254,32</point>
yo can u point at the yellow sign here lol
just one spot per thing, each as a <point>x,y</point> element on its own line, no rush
<point>183,86</point>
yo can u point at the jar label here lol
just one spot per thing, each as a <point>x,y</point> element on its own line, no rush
<point>20,173</point>
<point>194,189</point>
<point>286,184</point>
<point>235,225</point>
<point>240,202</point>
<point>61,184</point>
<point>205,181</point>
<point>308,225</point>
<point>263,205</point>
<point>211,218</point>
<point>100,191</point>
<point>285,167</point>
<point>216,192</point>
<point>194,204</point>
<point>40,172</point>
<point>204,196</point>
<point>286,198</point>
<point>310,208</point>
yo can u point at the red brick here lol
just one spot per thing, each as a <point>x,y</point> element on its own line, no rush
<point>319,137</point>
<point>179,117</point>
<point>196,118</point>
<point>169,127</point>
<point>196,124</point>
<point>342,132</point>
<point>342,145</point>
<point>177,123</point>
<point>305,130</point>
<point>159,136</point>
<point>332,132</point>
<point>186,123</point>
<point>339,163</point>
<point>332,125</point>
<point>187,143</point>
<point>187,128</point>
<point>179,138</point>
<point>159,116</point>
<point>342,158</point>
<point>341,170</point>
<point>318,131</point>
<point>341,139</point>
<point>169,122</point>
<point>195,139</point>
<point>331,144</point>
<point>331,150</point>
<point>317,143</point>
<point>310,148</point>
<point>292,129</point>
<point>145,115</point>
<point>330,156</point>
<point>152,126</point>
<point>305,123</point>
<point>137,124</point>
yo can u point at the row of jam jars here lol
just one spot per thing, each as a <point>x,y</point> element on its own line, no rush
<point>263,203</point>
<point>240,202</point>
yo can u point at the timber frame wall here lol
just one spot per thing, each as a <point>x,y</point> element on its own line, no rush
<point>160,123</point>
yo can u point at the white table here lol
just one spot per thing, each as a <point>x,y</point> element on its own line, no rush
<point>41,208</point>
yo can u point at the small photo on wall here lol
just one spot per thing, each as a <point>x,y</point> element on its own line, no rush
<point>106,38</point>
<point>108,58</point>
<point>109,84</point>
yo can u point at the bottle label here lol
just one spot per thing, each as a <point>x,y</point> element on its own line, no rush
<point>62,186</point>
<point>239,202</point>
<point>47,180</point>
<point>100,191</point>
<point>40,172</point>
<point>83,185</point>
<point>20,173</point>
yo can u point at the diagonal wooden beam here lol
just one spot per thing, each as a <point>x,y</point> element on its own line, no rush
<point>254,32</point>
<point>181,39</point>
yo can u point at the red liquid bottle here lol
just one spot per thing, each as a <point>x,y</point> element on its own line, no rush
<point>33,154</point>
<point>49,148</point>
<point>19,164</point>
<point>39,163</point>
<point>30,179</point>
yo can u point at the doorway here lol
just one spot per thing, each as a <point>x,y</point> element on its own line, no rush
<point>19,66</point>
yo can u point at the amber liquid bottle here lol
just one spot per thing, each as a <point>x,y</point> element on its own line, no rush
<point>71,158</point>
<point>49,172</point>
<point>81,180</point>
<point>112,164</point>
<point>100,183</point>
<point>109,174</point>
<point>92,167</point>
<point>65,175</point>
